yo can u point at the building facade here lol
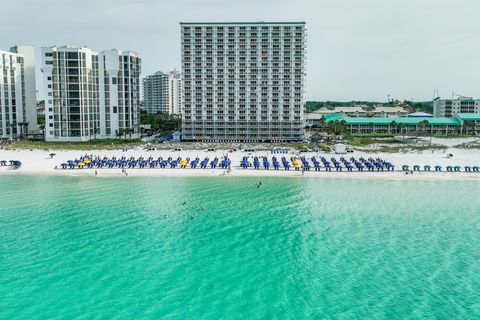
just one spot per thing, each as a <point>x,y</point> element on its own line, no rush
<point>449,107</point>
<point>243,81</point>
<point>18,116</point>
<point>90,95</point>
<point>365,111</point>
<point>404,125</point>
<point>162,92</point>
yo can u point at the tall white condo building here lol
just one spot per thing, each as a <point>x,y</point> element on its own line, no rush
<point>243,81</point>
<point>18,107</point>
<point>90,95</point>
<point>162,92</point>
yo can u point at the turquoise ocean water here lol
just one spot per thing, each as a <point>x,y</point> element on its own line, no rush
<point>296,248</point>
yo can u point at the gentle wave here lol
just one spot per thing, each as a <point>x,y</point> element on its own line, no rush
<point>224,248</point>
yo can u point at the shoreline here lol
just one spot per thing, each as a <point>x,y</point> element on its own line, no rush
<point>249,173</point>
<point>39,163</point>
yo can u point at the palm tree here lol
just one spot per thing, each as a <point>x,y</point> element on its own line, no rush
<point>401,128</point>
<point>42,128</point>
<point>342,127</point>
<point>119,133</point>
<point>424,124</point>
<point>129,131</point>
<point>322,122</point>
<point>370,126</point>
<point>393,126</point>
<point>330,127</point>
<point>469,126</point>
<point>23,128</point>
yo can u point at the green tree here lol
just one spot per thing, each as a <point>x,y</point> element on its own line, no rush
<point>41,119</point>
<point>129,131</point>
<point>423,125</point>
<point>370,127</point>
<point>469,126</point>
<point>393,126</point>
<point>119,132</point>
<point>161,122</point>
<point>401,128</point>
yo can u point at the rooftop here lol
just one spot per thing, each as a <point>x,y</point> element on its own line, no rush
<point>242,23</point>
<point>420,114</point>
<point>359,109</point>
<point>468,116</point>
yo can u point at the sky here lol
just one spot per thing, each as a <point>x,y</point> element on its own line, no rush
<point>356,49</point>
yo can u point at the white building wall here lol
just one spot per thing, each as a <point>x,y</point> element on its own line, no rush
<point>449,107</point>
<point>175,95</point>
<point>108,92</point>
<point>14,110</point>
<point>28,53</point>
<point>162,92</point>
<point>243,81</point>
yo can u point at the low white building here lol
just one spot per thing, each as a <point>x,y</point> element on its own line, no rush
<point>315,118</point>
<point>18,108</point>
<point>365,111</point>
<point>90,95</point>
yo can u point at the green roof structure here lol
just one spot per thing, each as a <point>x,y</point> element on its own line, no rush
<point>468,116</point>
<point>387,121</point>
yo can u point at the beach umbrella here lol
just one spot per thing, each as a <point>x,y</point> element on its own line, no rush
<point>468,168</point>
<point>416,167</point>
<point>476,168</point>
<point>457,168</point>
<point>405,167</point>
<point>427,168</point>
<point>438,168</point>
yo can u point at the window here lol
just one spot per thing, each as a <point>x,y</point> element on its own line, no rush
<point>114,80</point>
<point>114,109</point>
<point>72,55</point>
<point>48,54</point>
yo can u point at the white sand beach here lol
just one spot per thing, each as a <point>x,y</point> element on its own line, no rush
<point>38,162</point>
